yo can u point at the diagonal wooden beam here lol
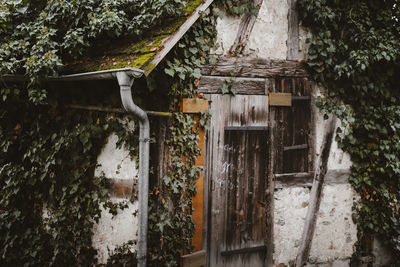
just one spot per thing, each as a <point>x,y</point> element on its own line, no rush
<point>243,34</point>
<point>315,196</point>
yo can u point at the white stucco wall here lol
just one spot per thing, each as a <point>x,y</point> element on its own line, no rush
<point>269,34</point>
<point>335,233</point>
<point>268,37</point>
<point>113,231</point>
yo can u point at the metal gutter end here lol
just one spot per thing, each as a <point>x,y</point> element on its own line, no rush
<point>97,75</point>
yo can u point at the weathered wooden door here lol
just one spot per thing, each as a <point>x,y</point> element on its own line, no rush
<point>237,162</point>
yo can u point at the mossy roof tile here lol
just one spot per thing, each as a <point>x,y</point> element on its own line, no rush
<point>124,53</point>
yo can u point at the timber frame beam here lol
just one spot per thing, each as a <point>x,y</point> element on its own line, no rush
<point>250,76</point>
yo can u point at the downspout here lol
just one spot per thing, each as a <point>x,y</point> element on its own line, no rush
<point>125,82</point>
<point>125,77</point>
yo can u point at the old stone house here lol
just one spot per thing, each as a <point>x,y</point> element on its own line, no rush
<point>255,146</point>
<point>259,153</point>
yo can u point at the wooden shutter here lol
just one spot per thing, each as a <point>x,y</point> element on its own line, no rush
<point>245,169</point>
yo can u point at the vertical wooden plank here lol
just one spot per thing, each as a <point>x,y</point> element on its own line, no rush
<point>209,154</point>
<point>197,240</point>
<point>279,121</point>
<point>310,89</point>
<point>246,155</point>
<point>273,133</point>
<point>195,105</point>
<point>198,199</point>
<point>293,31</point>
<point>220,106</point>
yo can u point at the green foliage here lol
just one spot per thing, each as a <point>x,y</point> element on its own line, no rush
<point>171,225</point>
<point>123,256</point>
<point>355,53</point>
<point>49,197</point>
<point>227,87</point>
<point>239,7</point>
<point>38,36</point>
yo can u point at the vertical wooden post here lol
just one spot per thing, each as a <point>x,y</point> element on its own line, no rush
<point>293,31</point>
<point>196,105</point>
<point>315,196</point>
<point>197,240</point>
<point>269,194</point>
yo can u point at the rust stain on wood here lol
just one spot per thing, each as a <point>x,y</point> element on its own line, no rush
<point>280,99</point>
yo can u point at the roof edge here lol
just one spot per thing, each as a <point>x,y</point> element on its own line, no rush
<point>84,76</point>
<point>175,37</point>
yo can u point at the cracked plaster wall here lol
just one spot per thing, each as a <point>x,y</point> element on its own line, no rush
<point>113,231</point>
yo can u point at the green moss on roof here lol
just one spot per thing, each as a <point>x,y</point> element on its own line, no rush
<point>191,6</point>
<point>134,54</point>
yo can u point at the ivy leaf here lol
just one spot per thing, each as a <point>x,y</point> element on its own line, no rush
<point>225,88</point>
<point>197,73</point>
<point>169,71</point>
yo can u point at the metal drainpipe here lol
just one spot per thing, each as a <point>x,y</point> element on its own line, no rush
<point>125,78</point>
<point>125,82</point>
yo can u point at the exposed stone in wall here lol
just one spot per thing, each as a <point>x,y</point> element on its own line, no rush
<point>335,233</point>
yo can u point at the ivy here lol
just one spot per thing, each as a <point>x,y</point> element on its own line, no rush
<point>39,36</point>
<point>48,204</point>
<point>49,197</point>
<point>355,52</point>
<point>239,7</point>
<point>171,225</point>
